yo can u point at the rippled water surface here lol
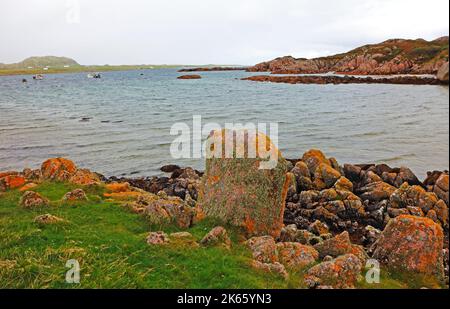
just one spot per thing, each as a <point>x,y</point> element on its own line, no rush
<point>129,116</point>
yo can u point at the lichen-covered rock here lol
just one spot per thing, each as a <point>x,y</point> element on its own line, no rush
<point>264,249</point>
<point>410,243</point>
<point>340,245</point>
<point>377,191</point>
<point>441,188</point>
<point>163,211</point>
<point>58,169</point>
<point>341,273</point>
<point>415,196</point>
<point>295,255</point>
<point>61,169</point>
<point>274,268</point>
<point>318,228</point>
<point>75,195</point>
<point>313,158</point>
<point>157,238</point>
<point>290,233</point>
<point>245,192</point>
<point>325,176</point>
<point>343,184</point>
<point>218,236</point>
<point>441,210</point>
<point>47,219</point>
<point>30,200</point>
<point>11,180</point>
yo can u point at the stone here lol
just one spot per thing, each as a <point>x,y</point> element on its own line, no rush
<point>274,268</point>
<point>318,228</point>
<point>75,195</point>
<point>58,169</point>
<point>441,210</point>
<point>352,172</point>
<point>249,193</point>
<point>264,249</point>
<point>157,238</point>
<point>47,219</point>
<point>313,158</point>
<point>164,211</point>
<point>296,256</point>
<point>342,273</point>
<point>377,191</point>
<point>11,182</point>
<point>325,174</point>
<point>340,245</point>
<point>190,76</point>
<point>343,184</point>
<point>218,236</point>
<point>442,74</point>
<point>415,196</point>
<point>31,200</point>
<point>410,243</point>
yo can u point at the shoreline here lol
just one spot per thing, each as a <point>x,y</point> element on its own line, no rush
<point>322,80</point>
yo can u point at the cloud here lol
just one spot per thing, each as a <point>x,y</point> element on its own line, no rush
<point>209,31</point>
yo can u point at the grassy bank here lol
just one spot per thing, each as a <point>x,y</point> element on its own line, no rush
<point>109,243</point>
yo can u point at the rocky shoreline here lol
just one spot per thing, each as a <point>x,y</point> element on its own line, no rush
<point>341,215</point>
<point>321,80</point>
<point>213,69</point>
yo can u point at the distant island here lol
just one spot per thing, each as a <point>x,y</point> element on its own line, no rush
<point>53,64</point>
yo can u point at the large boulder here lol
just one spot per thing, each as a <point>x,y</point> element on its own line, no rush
<point>61,169</point>
<point>410,243</point>
<point>243,190</point>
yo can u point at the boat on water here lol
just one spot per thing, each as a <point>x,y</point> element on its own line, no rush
<point>94,75</point>
<point>38,77</point>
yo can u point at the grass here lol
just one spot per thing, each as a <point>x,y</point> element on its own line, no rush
<point>109,243</point>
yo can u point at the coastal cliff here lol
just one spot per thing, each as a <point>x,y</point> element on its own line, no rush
<point>396,56</point>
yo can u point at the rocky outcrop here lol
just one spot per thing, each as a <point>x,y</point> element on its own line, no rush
<point>390,57</point>
<point>322,80</point>
<point>239,191</point>
<point>212,69</point>
<point>410,243</point>
<point>192,76</point>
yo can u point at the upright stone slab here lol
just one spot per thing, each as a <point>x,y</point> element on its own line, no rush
<point>248,191</point>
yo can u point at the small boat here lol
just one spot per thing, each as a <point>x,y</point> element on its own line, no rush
<point>38,77</point>
<point>94,75</point>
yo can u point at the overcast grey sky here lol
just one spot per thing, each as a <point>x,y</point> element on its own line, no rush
<point>208,31</point>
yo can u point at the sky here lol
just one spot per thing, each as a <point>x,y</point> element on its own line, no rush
<point>208,31</point>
